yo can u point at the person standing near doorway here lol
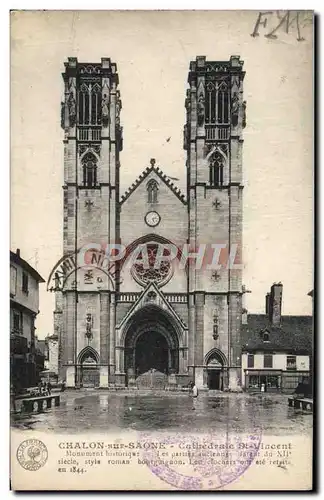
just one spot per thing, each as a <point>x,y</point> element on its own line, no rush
<point>194,391</point>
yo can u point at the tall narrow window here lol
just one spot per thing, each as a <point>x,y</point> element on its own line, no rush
<point>216,170</point>
<point>25,282</point>
<point>90,104</point>
<point>210,112</point>
<point>13,280</point>
<point>89,163</point>
<point>222,104</point>
<point>267,361</point>
<point>16,321</point>
<point>152,191</point>
<point>250,360</point>
<point>95,104</point>
<point>84,104</point>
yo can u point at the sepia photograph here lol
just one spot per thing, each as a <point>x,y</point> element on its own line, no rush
<point>161,252</point>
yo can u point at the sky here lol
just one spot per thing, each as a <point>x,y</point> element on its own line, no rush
<point>153,51</point>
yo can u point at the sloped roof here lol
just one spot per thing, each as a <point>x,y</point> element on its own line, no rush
<point>295,334</point>
<point>16,259</point>
<point>161,175</point>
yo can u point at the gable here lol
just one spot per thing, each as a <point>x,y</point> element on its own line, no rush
<point>144,176</point>
<point>169,208</point>
<point>152,296</point>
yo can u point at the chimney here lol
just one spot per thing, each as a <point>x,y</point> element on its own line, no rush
<point>18,252</point>
<point>275,303</point>
<point>244,309</point>
<point>267,304</point>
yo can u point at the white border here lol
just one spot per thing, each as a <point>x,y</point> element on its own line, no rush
<point>4,134</point>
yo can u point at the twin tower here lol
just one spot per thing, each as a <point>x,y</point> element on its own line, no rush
<point>151,325</point>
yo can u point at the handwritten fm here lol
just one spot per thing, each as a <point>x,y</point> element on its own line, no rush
<point>289,21</point>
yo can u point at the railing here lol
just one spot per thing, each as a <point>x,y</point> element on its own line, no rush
<point>127,297</point>
<point>89,134</point>
<point>214,133</point>
<point>176,298</point>
<point>170,297</point>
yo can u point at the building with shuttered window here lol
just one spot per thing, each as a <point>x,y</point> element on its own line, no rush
<point>276,349</point>
<point>24,308</point>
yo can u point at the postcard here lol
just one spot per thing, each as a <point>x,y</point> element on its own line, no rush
<point>161,261</point>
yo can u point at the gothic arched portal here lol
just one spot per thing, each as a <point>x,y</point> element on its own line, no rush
<point>151,342</point>
<point>89,371</point>
<point>216,367</point>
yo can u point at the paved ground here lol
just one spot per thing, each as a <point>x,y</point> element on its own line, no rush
<point>90,411</point>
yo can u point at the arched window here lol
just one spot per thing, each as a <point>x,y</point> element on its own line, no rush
<point>222,104</point>
<point>84,104</point>
<point>152,191</point>
<point>216,170</point>
<point>90,104</point>
<point>217,104</point>
<point>89,164</point>
<point>210,112</point>
<point>96,104</point>
<point>266,337</point>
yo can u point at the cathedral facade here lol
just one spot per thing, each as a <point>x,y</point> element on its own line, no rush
<point>166,310</point>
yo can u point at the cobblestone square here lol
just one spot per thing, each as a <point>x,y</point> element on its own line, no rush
<point>106,411</point>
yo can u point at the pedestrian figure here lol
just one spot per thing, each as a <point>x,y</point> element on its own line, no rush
<point>63,386</point>
<point>194,391</point>
<point>262,388</point>
<point>49,388</point>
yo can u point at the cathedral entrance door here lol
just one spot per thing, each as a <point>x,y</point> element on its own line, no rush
<point>89,372</point>
<point>215,375</point>
<point>151,351</point>
<point>214,380</point>
<point>151,348</point>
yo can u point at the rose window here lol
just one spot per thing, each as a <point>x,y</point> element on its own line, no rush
<point>144,270</point>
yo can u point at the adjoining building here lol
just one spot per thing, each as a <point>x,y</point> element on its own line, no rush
<point>24,307</point>
<point>276,349</point>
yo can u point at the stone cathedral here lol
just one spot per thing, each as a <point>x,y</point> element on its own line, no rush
<point>152,325</point>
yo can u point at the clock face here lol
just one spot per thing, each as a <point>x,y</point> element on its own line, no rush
<point>152,219</point>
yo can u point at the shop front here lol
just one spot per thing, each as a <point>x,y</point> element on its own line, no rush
<point>274,380</point>
<point>270,379</point>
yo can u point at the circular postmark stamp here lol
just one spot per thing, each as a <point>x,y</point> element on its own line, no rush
<point>32,454</point>
<point>201,461</point>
